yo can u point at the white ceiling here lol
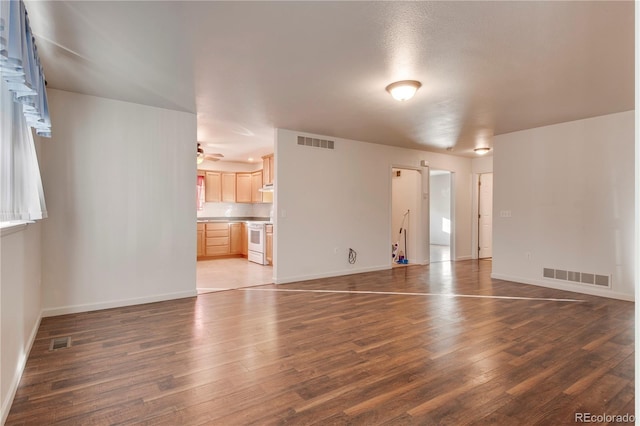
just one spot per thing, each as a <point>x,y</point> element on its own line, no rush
<point>246,68</point>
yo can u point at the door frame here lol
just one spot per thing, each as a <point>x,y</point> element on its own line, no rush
<point>421,220</point>
<point>452,213</point>
<point>475,206</point>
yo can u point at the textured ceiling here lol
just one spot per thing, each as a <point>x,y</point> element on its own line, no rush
<point>245,68</point>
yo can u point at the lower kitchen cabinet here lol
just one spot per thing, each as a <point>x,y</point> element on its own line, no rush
<point>201,240</point>
<point>235,238</point>
<point>245,240</point>
<point>268,243</point>
<point>217,239</point>
<point>220,239</point>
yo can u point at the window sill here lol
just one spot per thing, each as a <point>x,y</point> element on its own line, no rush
<point>8,228</point>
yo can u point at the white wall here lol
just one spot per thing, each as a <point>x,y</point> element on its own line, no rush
<point>482,164</point>
<point>405,195</point>
<point>336,199</point>
<point>440,198</point>
<point>570,190</point>
<point>120,185</point>
<point>20,311</point>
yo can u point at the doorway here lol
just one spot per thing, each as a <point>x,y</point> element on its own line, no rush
<point>485,215</point>
<point>440,216</point>
<point>405,195</point>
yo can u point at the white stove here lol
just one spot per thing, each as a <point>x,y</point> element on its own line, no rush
<point>256,242</point>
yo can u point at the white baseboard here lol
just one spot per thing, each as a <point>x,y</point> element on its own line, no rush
<point>286,280</point>
<point>468,257</point>
<point>15,380</point>
<point>73,309</point>
<point>575,288</point>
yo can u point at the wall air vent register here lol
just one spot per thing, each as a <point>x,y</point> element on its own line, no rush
<point>577,277</point>
<point>318,143</point>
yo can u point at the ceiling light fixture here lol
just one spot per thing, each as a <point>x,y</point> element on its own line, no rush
<point>403,90</point>
<point>200,154</point>
<point>482,151</point>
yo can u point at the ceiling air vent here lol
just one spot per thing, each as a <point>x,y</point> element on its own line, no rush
<point>315,142</point>
<point>577,277</point>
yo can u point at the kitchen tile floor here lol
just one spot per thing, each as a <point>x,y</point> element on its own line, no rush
<point>226,274</point>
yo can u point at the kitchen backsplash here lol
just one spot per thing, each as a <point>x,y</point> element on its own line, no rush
<point>262,210</point>
<point>235,210</point>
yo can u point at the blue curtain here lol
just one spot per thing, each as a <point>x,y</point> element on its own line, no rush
<point>23,105</point>
<point>20,66</point>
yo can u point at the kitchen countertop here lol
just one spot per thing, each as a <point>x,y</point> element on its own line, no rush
<point>234,219</point>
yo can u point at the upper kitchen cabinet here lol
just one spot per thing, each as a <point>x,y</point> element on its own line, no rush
<point>239,187</point>
<point>228,187</point>
<point>213,187</point>
<point>267,169</point>
<point>243,187</point>
<point>256,185</point>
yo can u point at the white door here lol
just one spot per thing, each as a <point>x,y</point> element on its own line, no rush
<point>485,211</point>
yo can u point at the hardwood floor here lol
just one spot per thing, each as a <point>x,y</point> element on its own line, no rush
<point>439,253</point>
<point>391,347</point>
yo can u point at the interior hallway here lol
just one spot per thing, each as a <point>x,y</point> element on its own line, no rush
<point>440,253</point>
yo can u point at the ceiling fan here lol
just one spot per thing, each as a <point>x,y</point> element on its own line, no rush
<point>201,155</point>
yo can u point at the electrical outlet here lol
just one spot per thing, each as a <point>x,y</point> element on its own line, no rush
<point>335,250</point>
<point>527,255</point>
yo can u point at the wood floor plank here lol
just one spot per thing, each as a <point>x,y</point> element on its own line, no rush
<point>266,356</point>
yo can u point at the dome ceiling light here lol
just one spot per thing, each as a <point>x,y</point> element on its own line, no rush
<point>482,151</point>
<point>403,90</point>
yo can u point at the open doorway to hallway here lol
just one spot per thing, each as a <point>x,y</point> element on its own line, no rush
<point>405,195</point>
<point>440,216</point>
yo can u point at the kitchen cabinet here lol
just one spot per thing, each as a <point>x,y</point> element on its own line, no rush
<point>267,169</point>
<point>228,184</point>
<point>216,239</point>
<point>245,240</point>
<point>235,238</point>
<point>256,184</point>
<point>201,240</point>
<point>221,239</point>
<point>267,197</point>
<point>243,187</point>
<point>267,177</point>
<point>240,187</point>
<point>268,243</point>
<point>212,187</point>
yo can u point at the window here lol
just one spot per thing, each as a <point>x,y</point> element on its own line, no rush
<point>23,105</point>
